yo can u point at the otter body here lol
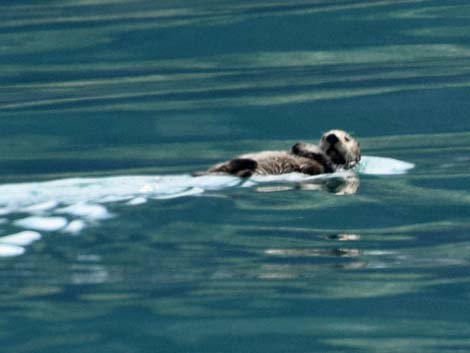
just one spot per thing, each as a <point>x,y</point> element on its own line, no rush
<point>336,150</point>
<point>268,163</point>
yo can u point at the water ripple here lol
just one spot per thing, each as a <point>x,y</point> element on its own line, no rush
<point>258,79</point>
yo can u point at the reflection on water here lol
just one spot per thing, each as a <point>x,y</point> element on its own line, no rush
<point>298,256</point>
<point>345,185</point>
<point>105,77</point>
<point>255,79</point>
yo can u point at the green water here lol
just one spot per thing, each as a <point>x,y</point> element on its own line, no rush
<point>120,87</point>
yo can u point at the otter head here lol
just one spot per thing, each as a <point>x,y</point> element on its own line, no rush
<point>342,149</point>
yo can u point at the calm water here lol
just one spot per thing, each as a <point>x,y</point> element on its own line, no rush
<point>117,88</point>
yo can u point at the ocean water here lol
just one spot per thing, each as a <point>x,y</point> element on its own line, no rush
<point>107,244</point>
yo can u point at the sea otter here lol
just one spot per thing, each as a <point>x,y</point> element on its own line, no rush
<point>337,150</point>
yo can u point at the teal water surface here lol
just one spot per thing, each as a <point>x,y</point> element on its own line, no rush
<point>99,94</point>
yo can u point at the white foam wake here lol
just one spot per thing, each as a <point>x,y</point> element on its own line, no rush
<point>69,205</point>
<point>382,166</point>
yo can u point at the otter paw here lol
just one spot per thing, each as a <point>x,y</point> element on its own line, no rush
<point>242,164</point>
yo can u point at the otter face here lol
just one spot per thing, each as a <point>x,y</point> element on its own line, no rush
<point>342,149</point>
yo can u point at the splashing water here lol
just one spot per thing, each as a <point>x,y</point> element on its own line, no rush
<point>70,205</point>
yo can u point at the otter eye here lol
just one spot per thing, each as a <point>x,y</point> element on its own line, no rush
<point>347,138</point>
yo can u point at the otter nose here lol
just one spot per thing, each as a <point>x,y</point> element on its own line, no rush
<point>332,139</point>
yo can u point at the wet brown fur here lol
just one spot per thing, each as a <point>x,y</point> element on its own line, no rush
<point>305,158</point>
